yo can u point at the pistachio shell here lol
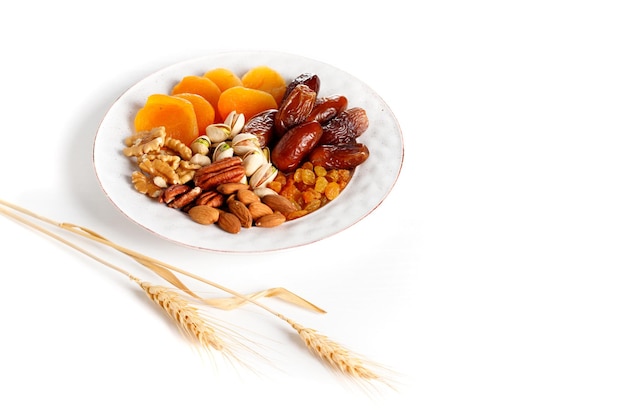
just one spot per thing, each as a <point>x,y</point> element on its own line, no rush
<point>263,175</point>
<point>253,161</point>
<point>218,132</point>
<point>236,121</point>
<point>223,150</point>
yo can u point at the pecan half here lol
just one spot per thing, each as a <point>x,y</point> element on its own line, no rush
<point>185,199</point>
<point>224,171</point>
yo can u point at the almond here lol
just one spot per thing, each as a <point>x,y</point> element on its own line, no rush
<point>232,187</point>
<point>204,214</point>
<point>247,196</point>
<point>241,211</point>
<point>229,222</point>
<point>271,220</point>
<point>279,203</point>
<point>258,209</point>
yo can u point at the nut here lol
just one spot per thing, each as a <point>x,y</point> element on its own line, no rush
<point>258,209</point>
<point>232,187</point>
<point>229,222</point>
<point>185,199</point>
<point>279,203</point>
<point>173,191</point>
<point>210,198</point>
<point>247,196</point>
<point>241,211</point>
<point>224,171</point>
<point>204,214</point>
<point>271,220</point>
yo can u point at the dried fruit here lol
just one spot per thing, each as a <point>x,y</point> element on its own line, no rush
<point>339,156</point>
<point>327,107</point>
<point>244,100</point>
<point>205,113</point>
<point>345,127</point>
<point>309,79</point>
<point>177,115</point>
<point>262,126</point>
<point>223,78</point>
<point>201,86</point>
<point>295,145</point>
<point>294,109</point>
<point>266,79</point>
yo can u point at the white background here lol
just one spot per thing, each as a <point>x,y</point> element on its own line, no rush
<point>491,280</point>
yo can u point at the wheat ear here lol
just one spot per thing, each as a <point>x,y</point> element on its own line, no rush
<point>333,354</point>
<point>186,316</point>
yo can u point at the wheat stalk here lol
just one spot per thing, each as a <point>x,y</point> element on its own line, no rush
<point>333,354</point>
<point>185,315</point>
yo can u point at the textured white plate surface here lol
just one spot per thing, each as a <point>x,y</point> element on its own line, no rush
<point>371,183</point>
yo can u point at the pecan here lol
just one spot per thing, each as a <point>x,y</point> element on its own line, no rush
<point>210,198</point>
<point>173,191</point>
<point>211,180</point>
<point>220,165</point>
<point>186,198</point>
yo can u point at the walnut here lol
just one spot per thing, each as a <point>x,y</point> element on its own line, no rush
<point>144,185</point>
<point>144,142</point>
<point>180,148</point>
<point>160,168</point>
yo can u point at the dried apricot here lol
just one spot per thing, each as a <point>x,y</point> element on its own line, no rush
<point>205,113</point>
<point>247,101</point>
<point>176,114</point>
<point>223,77</point>
<point>266,79</point>
<point>201,86</point>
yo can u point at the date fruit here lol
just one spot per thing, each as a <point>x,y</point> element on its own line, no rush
<point>294,109</point>
<point>295,145</point>
<point>327,107</point>
<point>345,127</point>
<point>339,156</point>
<point>262,126</point>
<point>309,79</point>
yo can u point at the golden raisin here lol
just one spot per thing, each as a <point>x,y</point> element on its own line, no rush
<point>313,205</point>
<point>310,195</point>
<point>332,175</point>
<point>320,184</point>
<point>332,190</point>
<point>308,176</point>
<point>320,171</point>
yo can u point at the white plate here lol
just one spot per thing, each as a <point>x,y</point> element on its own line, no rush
<point>371,183</point>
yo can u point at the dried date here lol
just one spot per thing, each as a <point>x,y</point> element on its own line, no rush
<point>309,79</point>
<point>262,126</point>
<point>327,107</point>
<point>294,109</point>
<point>345,127</point>
<point>339,156</point>
<point>295,145</point>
